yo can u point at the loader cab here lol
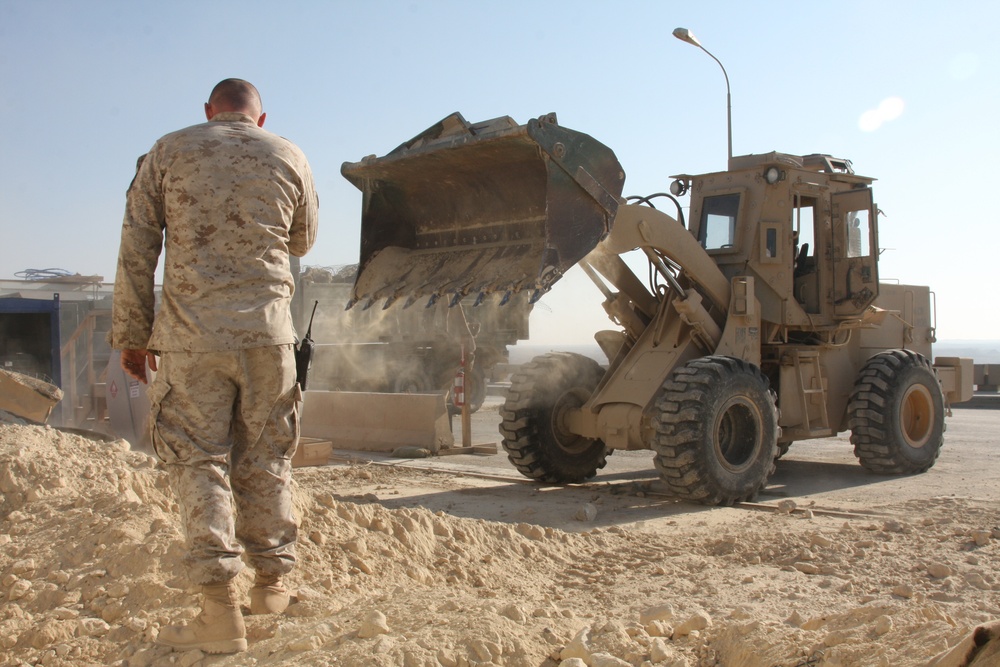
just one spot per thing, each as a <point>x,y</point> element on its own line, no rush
<point>803,225</point>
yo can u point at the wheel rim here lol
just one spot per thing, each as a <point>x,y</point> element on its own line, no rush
<point>737,434</point>
<point>916,416</point>
<point>568,441</point>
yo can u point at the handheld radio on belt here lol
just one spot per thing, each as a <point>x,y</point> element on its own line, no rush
<point>304,353</point>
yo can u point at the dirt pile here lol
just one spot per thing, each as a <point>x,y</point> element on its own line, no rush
<point>90,549</point>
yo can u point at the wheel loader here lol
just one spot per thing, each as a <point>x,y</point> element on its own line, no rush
<point>754,321</point>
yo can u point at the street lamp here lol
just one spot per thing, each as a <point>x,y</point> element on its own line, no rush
<point>686,35</point>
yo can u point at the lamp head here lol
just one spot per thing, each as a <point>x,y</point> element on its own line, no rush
<point>686,35</point>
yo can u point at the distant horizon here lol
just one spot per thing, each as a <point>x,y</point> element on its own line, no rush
<point>982,351</point>
<point>940,341</point>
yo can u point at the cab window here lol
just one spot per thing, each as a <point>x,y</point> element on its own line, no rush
<point>718,221</point>
<point>858,234</point>
<point>803,232</point>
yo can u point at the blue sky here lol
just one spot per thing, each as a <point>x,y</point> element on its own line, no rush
<point>908,91</point>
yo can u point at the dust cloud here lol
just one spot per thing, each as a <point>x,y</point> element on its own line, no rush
<point>397,348</point>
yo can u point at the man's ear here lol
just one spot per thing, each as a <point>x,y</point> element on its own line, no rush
<point>209,112</point>
<point>260,121</point>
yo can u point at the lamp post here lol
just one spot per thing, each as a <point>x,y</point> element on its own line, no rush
<point>686,35</point>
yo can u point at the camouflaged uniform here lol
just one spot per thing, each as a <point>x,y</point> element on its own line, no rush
<point>228,201</point>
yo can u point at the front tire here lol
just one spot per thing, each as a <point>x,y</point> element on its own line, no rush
<point>716,431</point>
<point>534,434</point>
<point>897,414</point>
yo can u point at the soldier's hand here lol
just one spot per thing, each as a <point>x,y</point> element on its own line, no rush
<point>134,363</point>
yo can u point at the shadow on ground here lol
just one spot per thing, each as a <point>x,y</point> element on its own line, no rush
<point>611,499</point>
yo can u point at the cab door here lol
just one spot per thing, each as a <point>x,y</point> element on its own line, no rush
<point>855,252</point>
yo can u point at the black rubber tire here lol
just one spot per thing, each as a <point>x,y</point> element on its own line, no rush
<point>411,381</point>
<point>533,438</point>
<point>716,431</point>
<point>896,414</point>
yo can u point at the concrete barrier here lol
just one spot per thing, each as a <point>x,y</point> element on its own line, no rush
<point>986,377</point>
<point>377,422</point>
<point>27,397</point>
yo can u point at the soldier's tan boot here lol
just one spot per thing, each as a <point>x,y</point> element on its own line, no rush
<point>218,628</point>
<point>268,595</point>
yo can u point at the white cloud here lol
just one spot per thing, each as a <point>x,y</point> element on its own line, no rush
<point>870,121</point>
<point>888,109</point>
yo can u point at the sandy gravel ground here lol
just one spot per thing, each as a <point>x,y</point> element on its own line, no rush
<point>398,567</point>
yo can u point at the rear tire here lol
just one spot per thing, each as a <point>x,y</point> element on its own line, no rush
<point>534,436</point>
<point>716,431</point>
<point>897,414</point>
<point>410,382</point>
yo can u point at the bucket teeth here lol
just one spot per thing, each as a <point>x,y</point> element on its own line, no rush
<point>368,304</point>
<point>506,298</point>
<point>536,296</point>
<point>479,299</point>
<point>455,300</point>
<point>431,301</point>
<point>410,300</point>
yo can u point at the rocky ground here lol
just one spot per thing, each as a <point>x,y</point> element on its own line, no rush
<point>91,544</point>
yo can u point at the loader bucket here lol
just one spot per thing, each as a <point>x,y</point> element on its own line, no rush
<point>478,209</point>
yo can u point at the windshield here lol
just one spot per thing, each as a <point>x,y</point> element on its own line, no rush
<point>718,221</point>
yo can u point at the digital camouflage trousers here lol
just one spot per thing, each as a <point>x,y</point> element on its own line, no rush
<point>226,425</point>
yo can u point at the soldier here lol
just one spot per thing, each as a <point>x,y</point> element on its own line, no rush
<point>228,202</point>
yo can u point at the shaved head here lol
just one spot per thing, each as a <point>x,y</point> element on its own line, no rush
<point>236,95</point>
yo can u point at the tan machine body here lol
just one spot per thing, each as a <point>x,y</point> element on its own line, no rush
<point>762,321</point>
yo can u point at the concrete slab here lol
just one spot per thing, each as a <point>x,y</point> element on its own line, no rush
<point>27,397</point>
<point>377,422</point>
